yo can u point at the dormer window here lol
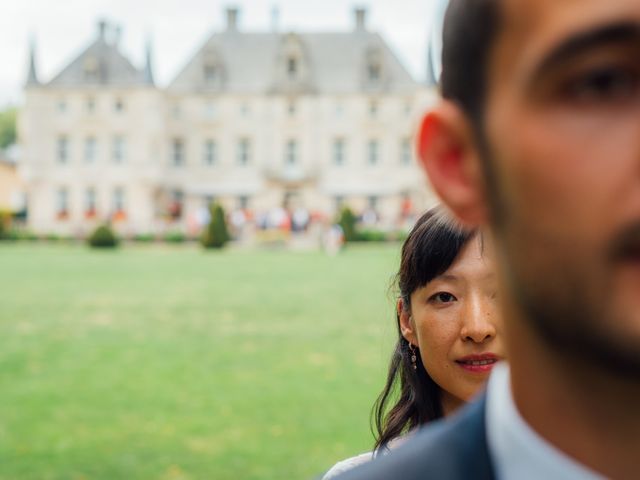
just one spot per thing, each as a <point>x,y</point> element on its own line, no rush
<point>91,68</point>
<point>212,69</point>
<point>293,73</point>
<point>374,72</point>
<point>374,67</point>
<point>210,73</point>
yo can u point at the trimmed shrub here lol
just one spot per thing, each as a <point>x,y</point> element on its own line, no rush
<point>216,234</point>
<point>16,235</point>
<point>144,238</point>
<point>103,237</point>
<point>5,224</point>
<point>347,221</point>
<point>175,237</point>
<point>371,236</point>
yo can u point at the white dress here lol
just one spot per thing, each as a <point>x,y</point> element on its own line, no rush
<point>347,464</point>
<point>353,462</point>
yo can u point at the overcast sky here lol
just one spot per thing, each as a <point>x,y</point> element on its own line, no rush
<point>62,28</point>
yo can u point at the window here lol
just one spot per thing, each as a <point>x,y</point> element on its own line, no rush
<point>62,203</point>
<point>61,106</point>
<point>119,200</point>
<point>90,105</point>
<point>338,151</point>
<point>62,153</point>
<point>408,107</point>
<point>118,106</point>
<point>90,202</point>
<point>177,152</point>
<point>119,150</point>
<point>339,202</point>
<point>244,110</point>
<point>210,110</point>
<point>372,202</point>
<point>405,151</point>
<point>210,73</point>
<point>90,150</point>
<point>373,152</point>
<point>291,108</point>
<point>243,202</point>
<point>292,67</point>
<point>291,153</point>
<point>374,72</point>
<point>210,152</point>
<point>373,108</point>
<point>244,151</point>
<point>212,68</point>
<point>91,69</point>
<point>176,205</point>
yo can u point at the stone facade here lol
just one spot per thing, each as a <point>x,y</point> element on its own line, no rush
<point>255,121</point>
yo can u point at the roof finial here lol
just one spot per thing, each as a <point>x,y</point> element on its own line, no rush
<point>32,76</point>
<point>148,70</point>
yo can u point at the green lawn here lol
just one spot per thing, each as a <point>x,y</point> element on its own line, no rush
<point>175,363</point>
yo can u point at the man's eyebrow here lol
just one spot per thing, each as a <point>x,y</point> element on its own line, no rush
<point>584,41</point>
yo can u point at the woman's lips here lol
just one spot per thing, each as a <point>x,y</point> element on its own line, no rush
<point>482,363</point>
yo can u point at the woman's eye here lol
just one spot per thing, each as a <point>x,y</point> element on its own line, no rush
<point>442,297</point>
<point>604,85</point>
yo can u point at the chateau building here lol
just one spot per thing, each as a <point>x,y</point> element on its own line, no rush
<point>256,121</point>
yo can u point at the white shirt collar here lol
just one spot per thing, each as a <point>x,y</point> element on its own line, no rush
<point>516,450</point>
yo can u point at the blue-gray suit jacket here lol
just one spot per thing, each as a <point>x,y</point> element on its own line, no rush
<point>452,449</point>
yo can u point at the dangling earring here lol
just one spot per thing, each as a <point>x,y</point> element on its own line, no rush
<point>414,358</point>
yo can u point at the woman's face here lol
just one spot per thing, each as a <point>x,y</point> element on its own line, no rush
<point>454,321</point>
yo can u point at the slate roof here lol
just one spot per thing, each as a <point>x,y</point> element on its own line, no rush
<point>337,62</point>
<point>110,66</point>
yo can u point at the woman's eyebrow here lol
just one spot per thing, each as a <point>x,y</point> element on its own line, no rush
<point>447,277</point>
<point>581,42</point>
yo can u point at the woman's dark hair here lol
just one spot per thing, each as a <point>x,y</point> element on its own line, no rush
<point>431,247</point>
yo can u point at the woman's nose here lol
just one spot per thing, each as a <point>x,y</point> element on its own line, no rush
<point>478,322</point>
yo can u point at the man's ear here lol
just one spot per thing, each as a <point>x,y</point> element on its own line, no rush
<point>448,152</point>
<point>407,327</point>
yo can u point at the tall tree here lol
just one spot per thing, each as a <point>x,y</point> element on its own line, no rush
<point>8,127</point>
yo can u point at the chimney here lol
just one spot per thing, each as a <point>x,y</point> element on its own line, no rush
<point>102,29</point>
<point>361,19</point>
<point>117,35</point>
<point>232,19</point>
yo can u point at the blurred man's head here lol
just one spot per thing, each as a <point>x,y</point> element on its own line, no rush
<point>539,139</point>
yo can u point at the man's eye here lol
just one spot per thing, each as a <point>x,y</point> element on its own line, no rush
<point>604,84</point>
<point>442,297</point>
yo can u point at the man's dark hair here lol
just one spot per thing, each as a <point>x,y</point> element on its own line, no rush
<point>468,33</point>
